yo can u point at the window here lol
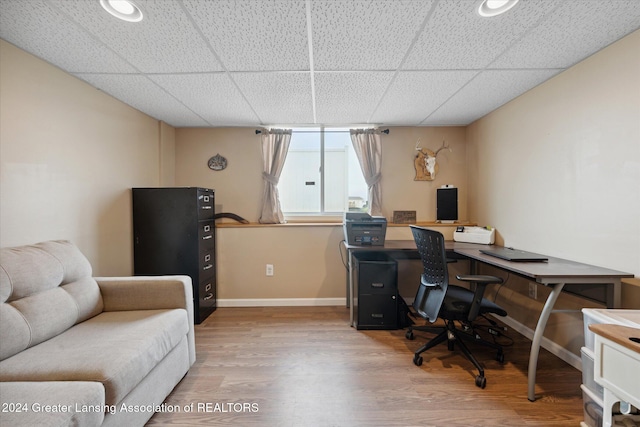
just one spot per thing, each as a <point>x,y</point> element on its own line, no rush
<point>321,175</point>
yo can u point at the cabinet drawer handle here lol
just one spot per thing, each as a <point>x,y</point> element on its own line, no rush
<point>207,258</point>
<point>206,199</point>
<point>208,287</point>
<point>377,315</point>
<point>208,266</point>
<point>207,237</point>
<point>205,207</point>
<point>207,297</point>
<point>377,285</point>
<point>207,228</point>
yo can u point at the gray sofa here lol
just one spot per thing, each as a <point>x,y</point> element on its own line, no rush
<point>82,351</point>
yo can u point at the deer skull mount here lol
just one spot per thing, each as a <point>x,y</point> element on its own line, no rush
<point>425,162</point>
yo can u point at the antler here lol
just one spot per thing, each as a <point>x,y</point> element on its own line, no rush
<point>418,148</point>
<point>444,145</point>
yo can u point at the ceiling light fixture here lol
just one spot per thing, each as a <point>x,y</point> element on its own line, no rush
<point>122,9</point>
<point>489,8</point>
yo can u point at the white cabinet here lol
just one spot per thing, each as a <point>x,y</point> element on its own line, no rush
<point>617,368</point>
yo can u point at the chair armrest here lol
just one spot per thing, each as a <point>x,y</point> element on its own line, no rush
<point>146,292</point>
<point>150,293</point>
<point>481,282</point>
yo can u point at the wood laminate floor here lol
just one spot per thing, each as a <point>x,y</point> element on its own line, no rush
<point>305,366</point>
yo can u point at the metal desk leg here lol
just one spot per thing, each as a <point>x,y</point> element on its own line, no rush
<point>537,338</point>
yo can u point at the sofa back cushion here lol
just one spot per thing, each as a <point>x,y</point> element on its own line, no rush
<point>44,290</point>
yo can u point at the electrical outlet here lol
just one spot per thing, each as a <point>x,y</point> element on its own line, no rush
<point>533,291</point>
<point>269,269</point>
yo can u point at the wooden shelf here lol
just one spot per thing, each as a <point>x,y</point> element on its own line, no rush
<point>334,224</point>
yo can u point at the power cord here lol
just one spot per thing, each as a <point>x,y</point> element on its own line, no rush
<point>342,255</point>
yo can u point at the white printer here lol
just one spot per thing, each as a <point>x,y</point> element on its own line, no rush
<point>484,235</point>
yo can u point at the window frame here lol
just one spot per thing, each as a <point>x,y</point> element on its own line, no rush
<point>322,215</point>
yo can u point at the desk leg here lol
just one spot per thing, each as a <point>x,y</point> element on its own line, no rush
<point>537,338</point>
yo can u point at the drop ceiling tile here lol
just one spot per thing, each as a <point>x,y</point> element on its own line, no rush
<point>572,32</point>
<point>456,37</point>
<point>43,31</point>
<point>485,93</point>
<point>414,95</point>
<point>278,98</point>
<point>164,41</point>
<point>349,97</point>
<point>250,35</point>
<point>144,95</point>
<point>364,35</point>
<point>212,96</point>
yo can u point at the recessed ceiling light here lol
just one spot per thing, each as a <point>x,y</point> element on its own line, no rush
<point>122,9</point>
<point>488,8</point>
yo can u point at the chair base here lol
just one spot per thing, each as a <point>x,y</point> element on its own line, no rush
<point>453,335</point>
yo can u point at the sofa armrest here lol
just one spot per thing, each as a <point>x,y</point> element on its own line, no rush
<point>150,293</point>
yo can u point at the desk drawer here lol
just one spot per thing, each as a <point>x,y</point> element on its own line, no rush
<point>377,312</point>
<point>618,370</point>
<point>376,273</point>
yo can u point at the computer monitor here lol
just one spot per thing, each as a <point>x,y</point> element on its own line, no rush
<point>447,204</point>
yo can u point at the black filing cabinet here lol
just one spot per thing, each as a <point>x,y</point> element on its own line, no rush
<point>174,233</point>
<point>375,291</point>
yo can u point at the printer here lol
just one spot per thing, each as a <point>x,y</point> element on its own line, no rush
<point>362,229</point>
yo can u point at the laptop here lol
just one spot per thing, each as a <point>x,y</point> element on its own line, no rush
<point>515,255</point>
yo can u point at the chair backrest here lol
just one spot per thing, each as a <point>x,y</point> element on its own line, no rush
<point>435,276</point>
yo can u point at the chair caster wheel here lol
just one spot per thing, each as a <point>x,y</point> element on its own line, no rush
<point>417,360</point>
<point>500,358</point>
<point>481,381</point>
<point>409,335</point>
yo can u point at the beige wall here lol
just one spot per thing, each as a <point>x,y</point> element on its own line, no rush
<point>239,187</point>
<point>306,259</point>
<point>69,155</point>
<point>557,171</point>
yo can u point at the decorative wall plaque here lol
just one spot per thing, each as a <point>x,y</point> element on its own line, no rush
<point>217,163</point>
<point>404,217</point>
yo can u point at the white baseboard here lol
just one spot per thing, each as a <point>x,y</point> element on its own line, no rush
<point>546,343</point>
<point>282,302</point>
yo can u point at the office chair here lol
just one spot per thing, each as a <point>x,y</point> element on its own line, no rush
<point>436,298</point>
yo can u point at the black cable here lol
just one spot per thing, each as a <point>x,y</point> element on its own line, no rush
<point>342,257</point>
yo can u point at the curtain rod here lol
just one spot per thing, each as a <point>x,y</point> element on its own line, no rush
<point>386,131</point>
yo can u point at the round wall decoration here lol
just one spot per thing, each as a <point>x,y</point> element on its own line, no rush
<point>217,163</point>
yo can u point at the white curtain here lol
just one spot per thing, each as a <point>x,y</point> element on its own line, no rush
<point>275,144</point>
<point>366,143</point>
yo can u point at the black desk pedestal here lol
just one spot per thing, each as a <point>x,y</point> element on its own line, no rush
<point>375,293</point>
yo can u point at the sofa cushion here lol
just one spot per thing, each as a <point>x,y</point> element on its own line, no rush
<point>44,290</point>
<point>117,349</point>
<point>52,403</point>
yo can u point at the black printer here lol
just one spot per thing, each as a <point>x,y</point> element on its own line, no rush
<point>363,229</point>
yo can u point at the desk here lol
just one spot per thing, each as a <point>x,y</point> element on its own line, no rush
<point>555,274</point>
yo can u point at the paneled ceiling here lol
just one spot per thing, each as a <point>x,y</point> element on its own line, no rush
<point>316,62</point>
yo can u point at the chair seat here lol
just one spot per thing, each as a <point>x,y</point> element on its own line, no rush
<point>458,300</point>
